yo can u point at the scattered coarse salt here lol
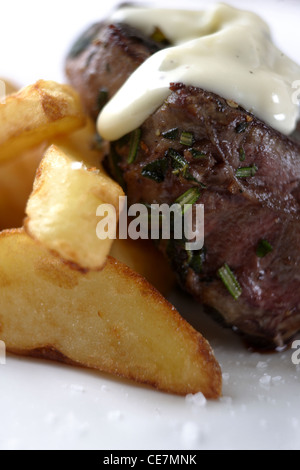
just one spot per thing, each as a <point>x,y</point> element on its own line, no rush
<point>265,380</point>
<point>261,365</point>
<point>277,380</point>
<point>198,399</point>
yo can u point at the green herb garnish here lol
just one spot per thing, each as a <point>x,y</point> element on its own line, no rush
<point>156,170</point>
<point>97,143</point>
<point>241,127</point>
<point>242,154</point>
<point>188,176</point>
<point>188,199</point>
<point>84,41</point>
<point>178,163</point>
<point>263,248</point>
<point>102,98</point>
<point>187,138</point>
<point>135,138</point>
<point>159,36</point>
<point>171,134</point>
<point>198,258</point>
<point>197,154</point>
<point>113,162</point>
<point>230,281</point>
<point>246,172</point>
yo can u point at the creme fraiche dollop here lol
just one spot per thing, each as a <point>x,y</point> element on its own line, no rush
<point>223,50</point>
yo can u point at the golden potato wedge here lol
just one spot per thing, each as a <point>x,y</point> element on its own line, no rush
<point>10,87</point>
<point>37,113</point>
<point>85,143</point>
<point>16,182</point>
<point>17,175</point>
<point>111,320</point>
<point>142,257</point>
<point>63,205</point>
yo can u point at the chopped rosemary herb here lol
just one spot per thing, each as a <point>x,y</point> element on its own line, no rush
<point>159,36</point>
<point>246,172</point>
<point>97,143</point>
<point>113,162</point>
<point>230,281</point>
<point>187,138</point>
<point>135,139</point>
<point>241,127</point>
<point>178,162</point>
<point>197,154</point>
<point>188,198</point>
<point>83,41</point>
<point>242,154</point>
<point>263,249</point>
<point>188,176</point>
<point>156,170</point>
<point>196,263</point>
<point>171,134</point>
<point>102,98</point>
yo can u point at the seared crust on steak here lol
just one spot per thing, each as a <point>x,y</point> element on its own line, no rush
<point>239,212</point>
<point>103,58</point>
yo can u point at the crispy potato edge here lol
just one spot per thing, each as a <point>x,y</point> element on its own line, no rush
<point>211,367</point>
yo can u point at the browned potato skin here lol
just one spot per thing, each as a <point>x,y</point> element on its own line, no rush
<point>61,210</point>
<point>16,181</point>
<point>37,113</point>
<point>10,87</point>
<point>112,320</point>
<point>142,257</point>
<point>17,175</point>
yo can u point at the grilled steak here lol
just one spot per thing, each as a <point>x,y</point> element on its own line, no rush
<point>249,176</point>
<point>103,58</point>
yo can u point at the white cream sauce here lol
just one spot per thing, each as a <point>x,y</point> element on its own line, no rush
<point>223,50</point>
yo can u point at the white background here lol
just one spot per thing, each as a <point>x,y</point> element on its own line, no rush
<point>46,405</point>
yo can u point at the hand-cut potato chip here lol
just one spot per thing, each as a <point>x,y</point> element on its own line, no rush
<point>63,206</point>
<point>37,113</point>
<point>85,142</point>
<point>17,174</point>
<point>16,181</point>
<point>111,320</point>
<point>9,86</point>
<point>143,258</point>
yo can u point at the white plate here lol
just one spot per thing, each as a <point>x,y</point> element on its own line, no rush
<point>50,406</point>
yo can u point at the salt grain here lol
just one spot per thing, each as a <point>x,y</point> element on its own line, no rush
<point>277,380</point>
<point>198,399</point>
<point>262,365</point>
<point>265,380</point>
